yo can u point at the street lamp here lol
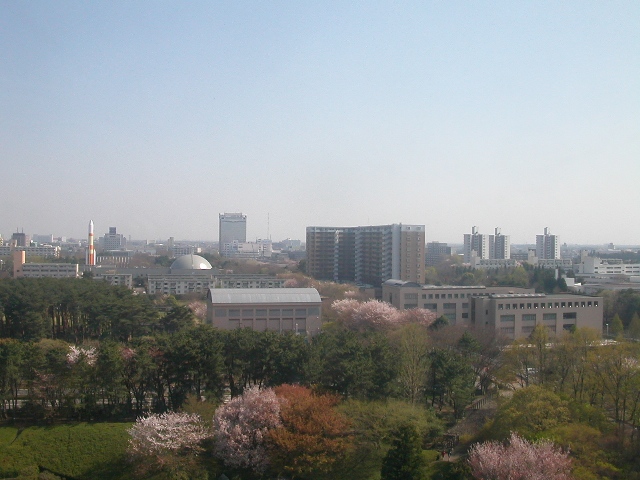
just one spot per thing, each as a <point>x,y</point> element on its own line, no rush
<point>607,325</point>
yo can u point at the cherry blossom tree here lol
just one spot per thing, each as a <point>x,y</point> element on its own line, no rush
<point>77,354</point>
<point>519,460</point>
<point>377,315</point>
<point>241,426</point>
<point>370,315</point>
<point>166,441</point>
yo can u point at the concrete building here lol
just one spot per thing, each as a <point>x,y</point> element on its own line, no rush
<point>436,252</point>
<point>116,279</point>
<point>259,249</point>
<point>450,300</point>
<point>248,281</point>
<point>511,311</point>
<point>475,244</point>
<point>609,266</point>
<point>20,239</point>
<point>21,269</point>
<point>295,310</point>
<point>547,245</point>
<point>499,246</point>
<point>232,228</point>
<point>366,255</point>
<point>113,240</point>
<point>44,251</point>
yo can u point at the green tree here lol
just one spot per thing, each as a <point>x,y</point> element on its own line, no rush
<point>404,460</point>
<point>634,327</point>
<point>616,328</point>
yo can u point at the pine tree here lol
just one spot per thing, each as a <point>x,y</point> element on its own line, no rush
<point>616,327</point>
<point>634,327</point>
<point>404,460</point>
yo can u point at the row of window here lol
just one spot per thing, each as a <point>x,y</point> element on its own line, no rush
<point>262,312</point>
<point>545,316</point>
<point>262,324</point>
<point>522,306</point>
<point>443,295</point>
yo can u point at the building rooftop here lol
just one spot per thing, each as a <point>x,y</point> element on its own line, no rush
<point>264,295</point>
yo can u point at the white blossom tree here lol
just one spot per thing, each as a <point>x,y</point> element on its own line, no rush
<point>519,459</point>
<point>241,426</point>
<point>164,441</point>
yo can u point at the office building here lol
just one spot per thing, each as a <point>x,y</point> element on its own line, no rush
<point>20,239</point>
<point>232,228</point>
<point>436,252</point>
<point>547,245</point>
<point>366,255</point>
<point>113,240</point>
<point>512,312</point>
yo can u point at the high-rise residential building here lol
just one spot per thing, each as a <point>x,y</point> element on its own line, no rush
<point>20,239</point>
<point>233,228</point>
<point>547,245</point>
<point>475,244</point>
<point>499,246</point>
<point>366,255</point>
<point>113,240</point>
<point>436,252</point>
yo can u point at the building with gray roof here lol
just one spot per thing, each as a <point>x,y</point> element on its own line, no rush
<point>295,310</point>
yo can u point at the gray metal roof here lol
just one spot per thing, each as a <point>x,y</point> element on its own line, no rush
<point>264,295</point>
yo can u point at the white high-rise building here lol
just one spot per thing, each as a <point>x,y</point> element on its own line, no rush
<point>475,244</point>
<point>547,245</point>
<point>233,228</point>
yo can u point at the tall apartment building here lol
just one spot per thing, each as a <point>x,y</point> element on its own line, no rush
<point>475,244</point>
<point>499,246</point>
<point>366,255</point>
<point>483,246</point>
<point>547,245</point>
<point>436,253</point>
<point>233,228</point>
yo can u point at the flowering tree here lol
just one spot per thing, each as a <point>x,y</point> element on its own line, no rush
<point>165,441</point>
<point>313,435</point>
<point>377,315</point>
<point>519,460</point>
<point>76,354</point>
<point>370,315</point>
<point>419,316</point>
<point>241,426</point>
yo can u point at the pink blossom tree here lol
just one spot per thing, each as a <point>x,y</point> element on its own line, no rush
<point>241,427</point>
<point>166,441</point>
<point>370,315</point>
<point>377,315</point>
<point>519,459</point>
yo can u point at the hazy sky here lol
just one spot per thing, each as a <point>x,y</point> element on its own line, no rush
<point>157,116</point>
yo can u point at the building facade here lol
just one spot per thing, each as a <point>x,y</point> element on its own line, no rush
<point>513,312</point>
<point>232,228</point>
<point>113,240</point>
<point>366,255</point>
<point>547,245</point>
<point>475,244</point>
<point>296,310</point>
<point>436,252</point>
<point>499,246</point>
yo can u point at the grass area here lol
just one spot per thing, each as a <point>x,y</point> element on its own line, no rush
<point>80,450</point>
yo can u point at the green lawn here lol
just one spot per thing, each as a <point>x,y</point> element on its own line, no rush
<point>81,450</point>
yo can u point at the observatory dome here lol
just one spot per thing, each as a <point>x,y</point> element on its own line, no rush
<point>190,262</point>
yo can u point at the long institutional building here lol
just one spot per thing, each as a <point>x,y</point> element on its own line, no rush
<point>366,255</point>
<point>513,312</point>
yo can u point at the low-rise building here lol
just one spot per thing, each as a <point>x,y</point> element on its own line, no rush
<point>295,310</point>
<point>49,270</point>
<point>511,311</point>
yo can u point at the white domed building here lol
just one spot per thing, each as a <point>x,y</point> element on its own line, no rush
<point>188,274</point>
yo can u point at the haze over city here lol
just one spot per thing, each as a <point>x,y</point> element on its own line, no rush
<point>156,117</point>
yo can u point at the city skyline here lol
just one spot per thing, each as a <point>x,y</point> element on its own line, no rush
<point>155,118</point>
